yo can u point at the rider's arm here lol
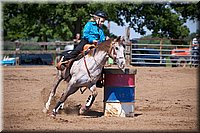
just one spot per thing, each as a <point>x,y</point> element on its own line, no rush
<point>87,33</point>
<point>102,36</point>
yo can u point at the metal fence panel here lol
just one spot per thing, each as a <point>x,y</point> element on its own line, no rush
<point>162,55</point>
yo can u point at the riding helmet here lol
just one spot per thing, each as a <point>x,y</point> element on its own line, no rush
<point>101,14</point>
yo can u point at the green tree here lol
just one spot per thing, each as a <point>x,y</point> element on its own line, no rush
<point>61,21</point>
<point>158,18</point>
<point>187,10</point>
<point>190,11</point>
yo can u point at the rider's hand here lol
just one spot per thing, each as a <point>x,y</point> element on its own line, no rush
<point>107,37</point>
<point>95,42</point>
<point>59,63</point>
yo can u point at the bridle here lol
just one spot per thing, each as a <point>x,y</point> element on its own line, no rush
<point>112,53</point>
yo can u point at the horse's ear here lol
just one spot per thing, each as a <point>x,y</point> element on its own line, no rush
<point>117,39</point>
<point>112,39</point>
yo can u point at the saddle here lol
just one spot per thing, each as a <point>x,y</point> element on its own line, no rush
<point>87,49</point>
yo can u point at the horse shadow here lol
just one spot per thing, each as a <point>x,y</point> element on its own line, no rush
<point>74,110</point>
<point>94,114</point>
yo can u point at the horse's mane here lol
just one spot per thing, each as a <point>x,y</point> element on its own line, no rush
<point>105,46</point>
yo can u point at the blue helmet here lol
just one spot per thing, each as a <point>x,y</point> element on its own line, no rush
<point>101,14</point>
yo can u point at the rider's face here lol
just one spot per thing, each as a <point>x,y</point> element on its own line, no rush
<point>100,21</point>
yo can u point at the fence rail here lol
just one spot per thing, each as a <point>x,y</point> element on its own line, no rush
<point>40,43</point>
<point>163,55</point>
<point>10,52</point>
<point>17,48</point>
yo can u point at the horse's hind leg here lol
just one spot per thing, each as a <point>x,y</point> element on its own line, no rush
<point>89,101</point>
<point>52,93</point>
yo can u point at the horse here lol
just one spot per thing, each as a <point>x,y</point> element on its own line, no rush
<point>85,72</point>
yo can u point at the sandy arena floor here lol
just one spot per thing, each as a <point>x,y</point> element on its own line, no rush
<point>166,100</point>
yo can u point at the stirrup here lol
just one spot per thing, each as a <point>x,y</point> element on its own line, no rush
<point>64,64</point>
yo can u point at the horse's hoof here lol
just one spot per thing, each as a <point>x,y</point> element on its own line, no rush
<point>83,110</point>
<point>52,115</point>
<point>44,110</point>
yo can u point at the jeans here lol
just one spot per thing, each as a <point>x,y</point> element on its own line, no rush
<point>76,51</point>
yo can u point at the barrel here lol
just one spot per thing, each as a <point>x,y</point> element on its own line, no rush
<point>119,92</point>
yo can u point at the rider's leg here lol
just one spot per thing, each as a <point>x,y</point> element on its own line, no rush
<point>68,58</point>
<point>76,51</point>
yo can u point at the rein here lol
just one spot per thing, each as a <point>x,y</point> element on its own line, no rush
<point>87,67</point>
<point>110,54</point>
<point>111,48</point>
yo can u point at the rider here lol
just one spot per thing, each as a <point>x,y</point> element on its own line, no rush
<point>92,34</point>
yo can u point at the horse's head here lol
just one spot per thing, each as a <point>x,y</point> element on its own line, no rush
<point>117,53</point>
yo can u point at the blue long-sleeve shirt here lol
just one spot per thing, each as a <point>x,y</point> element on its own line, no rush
<point>92,32</point>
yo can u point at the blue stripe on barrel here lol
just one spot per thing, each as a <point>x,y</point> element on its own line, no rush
<point>119,94</point>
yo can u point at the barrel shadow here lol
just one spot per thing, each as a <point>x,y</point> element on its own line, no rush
<point>94,114</point>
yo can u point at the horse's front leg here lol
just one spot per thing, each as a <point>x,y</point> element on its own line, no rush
<point>69,91</point>
<point>89,101</point>
<point>52,93</point>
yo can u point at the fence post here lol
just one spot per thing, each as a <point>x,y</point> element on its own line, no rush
<point>127,45</point>
<point>17,51</point>
<point>57,52</point>
<point>127,53</point>
<point>161,42</point>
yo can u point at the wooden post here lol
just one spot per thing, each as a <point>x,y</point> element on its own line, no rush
<point>127,31</point>
<point>17,51</point>
<point>127,46</point>
<point>57,52</point>
<point>128,53</point>
<point>161,42</point>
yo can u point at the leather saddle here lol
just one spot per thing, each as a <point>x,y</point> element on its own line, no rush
<point>87,49</point>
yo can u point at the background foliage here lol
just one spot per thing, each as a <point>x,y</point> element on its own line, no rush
<point>61,21</point>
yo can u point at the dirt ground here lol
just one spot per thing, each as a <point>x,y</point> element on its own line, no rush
<point>166,100</point>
